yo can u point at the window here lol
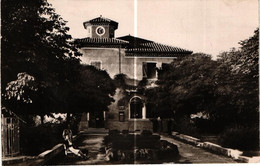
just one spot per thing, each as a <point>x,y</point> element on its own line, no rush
<point>136,106</point>
<point>96,64</point>
<point>149,70</point>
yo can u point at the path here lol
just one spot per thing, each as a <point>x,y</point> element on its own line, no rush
<point>193,154</point>
<point>94,143</point>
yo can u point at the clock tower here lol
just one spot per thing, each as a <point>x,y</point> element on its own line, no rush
<point>100,27</point>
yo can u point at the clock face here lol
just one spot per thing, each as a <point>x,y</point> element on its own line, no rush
<point>100,30</point>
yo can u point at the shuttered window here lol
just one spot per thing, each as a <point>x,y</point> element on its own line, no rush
<point>149,70</point>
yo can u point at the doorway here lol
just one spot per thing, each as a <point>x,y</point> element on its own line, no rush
<point>136,106</point>
<point>96,120</point>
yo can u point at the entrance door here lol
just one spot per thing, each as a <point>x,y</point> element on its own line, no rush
<point>96,120</point>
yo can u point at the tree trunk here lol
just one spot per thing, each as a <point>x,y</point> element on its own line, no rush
<point>42,118</point>
<point>68,118</point>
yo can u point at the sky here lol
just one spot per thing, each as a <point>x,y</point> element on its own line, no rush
<point>208,26</point>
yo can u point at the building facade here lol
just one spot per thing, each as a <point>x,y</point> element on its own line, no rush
<point>134,57</point>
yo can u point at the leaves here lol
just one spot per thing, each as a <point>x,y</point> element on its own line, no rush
<point>34,40</point>
<point>226,89</point>
<point>91,92</point>
<point>19,88</point>
<point>237,78</point>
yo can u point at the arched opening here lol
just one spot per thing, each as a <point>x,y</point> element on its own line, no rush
<point>136,107</point>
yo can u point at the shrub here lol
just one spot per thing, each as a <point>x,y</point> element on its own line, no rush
<point>168,150</point>
<point>146,133</point>
<point>114,132</point>
<point>184,126</point>
<point>125,132</point>
<point>208,126</point>
<point>35,140</point>
<point>240,137</point>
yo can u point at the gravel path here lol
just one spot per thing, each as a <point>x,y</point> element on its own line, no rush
<point>94,143</point>
<point>193,154</point>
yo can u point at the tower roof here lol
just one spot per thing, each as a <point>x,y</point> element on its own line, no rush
<point>101,21</point>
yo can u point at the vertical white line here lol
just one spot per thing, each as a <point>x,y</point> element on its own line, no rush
<point>135,62</point>
<point>135,34</point>
<point>259,84</point>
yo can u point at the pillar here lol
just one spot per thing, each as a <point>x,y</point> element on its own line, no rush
<point>144,111</point>
<point>104,115</point>
<point>87,116</point>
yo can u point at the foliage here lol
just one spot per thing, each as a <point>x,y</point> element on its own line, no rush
<point>158,103</point>
<point>35,42</point>
<point>226,90</point>
<point>35,140</point>
<point>185,87</point>
<point>240,137</point>
<point>93,91</point>
<point>237,84</point>
<point>120,80</point>
<point>183,125</point>
<point>20,88</point>
<point>36,46</point>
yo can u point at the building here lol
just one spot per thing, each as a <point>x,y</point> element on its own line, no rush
<point>135,57</point>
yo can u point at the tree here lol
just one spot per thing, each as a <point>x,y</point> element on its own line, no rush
<point>237,80</point>
<point>185,86</point>
<point>35,42</point>
<point>93,92</point>
<point>37,49</point>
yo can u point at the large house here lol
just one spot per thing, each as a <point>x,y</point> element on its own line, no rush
<point>135,57</point>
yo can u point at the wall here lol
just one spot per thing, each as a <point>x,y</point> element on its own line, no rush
<point>128,124</point>
<point>109,58</point>
<point>110,61</point>
<point>129,63</point>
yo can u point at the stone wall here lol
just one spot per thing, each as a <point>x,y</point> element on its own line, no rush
<point>131,125</point>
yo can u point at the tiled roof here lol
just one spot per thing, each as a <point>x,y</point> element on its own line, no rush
<point>156,47</point>
<point>100,20</point>
<point>135,46</point>
<point>143,47</point>
<point>134,41</point>
<point>108,42</point>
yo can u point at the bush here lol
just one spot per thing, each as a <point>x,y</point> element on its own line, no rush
<point>146,133</point>
<point>114,132</point>
<point>35,140</point>
<point>125,132</point>
<point>240,137</point>
<point>208,126</point>
<point>184,126</point>
<point>168,150</point>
